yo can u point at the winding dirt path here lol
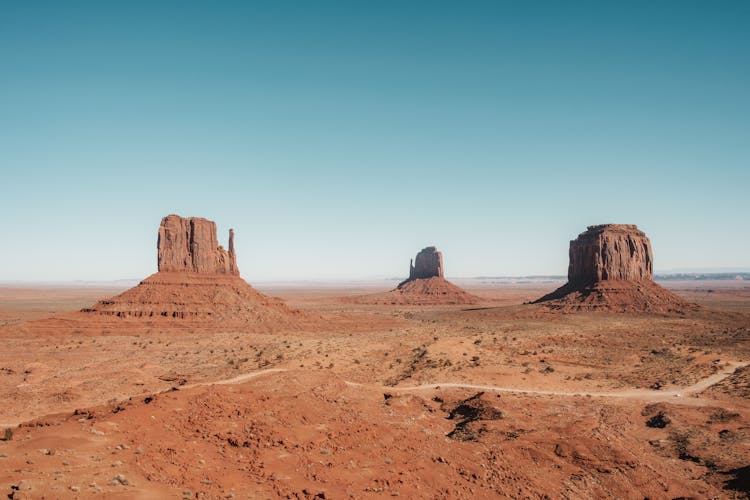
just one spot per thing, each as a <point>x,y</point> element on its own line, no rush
<point>235,380</point>
<point>675,396</point>
<point>639,394</point>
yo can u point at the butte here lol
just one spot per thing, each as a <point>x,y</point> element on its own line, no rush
<point>611,269</point>
<point>198,281</point>
<point>426,285</point>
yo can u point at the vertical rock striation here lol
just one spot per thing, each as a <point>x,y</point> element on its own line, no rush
<point>610,252</point>
<point>190,245</point>
<point>428,264</point>
<point>612,268</point>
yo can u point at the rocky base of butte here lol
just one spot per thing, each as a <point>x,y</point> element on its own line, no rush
<point>195,297</point>
<point>611,269</point>
<point>427,291</point>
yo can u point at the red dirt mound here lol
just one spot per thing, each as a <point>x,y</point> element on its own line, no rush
<point>616,296</point>
<point>197,297</point>
<point>429,291</point>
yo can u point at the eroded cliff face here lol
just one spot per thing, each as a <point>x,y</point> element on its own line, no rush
<point>610,252</point>
<point>611,269</point>
<point>190,245</point>
<point>428,264</point>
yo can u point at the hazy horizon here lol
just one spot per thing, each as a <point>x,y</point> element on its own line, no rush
<point>378,279</point>
<point>338,139</point>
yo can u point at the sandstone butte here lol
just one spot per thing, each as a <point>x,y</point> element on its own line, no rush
<point>197,280</point>
<point>190,245</point>
<point>426,285</point>
<point>611,268</point>
<point>428,264</point>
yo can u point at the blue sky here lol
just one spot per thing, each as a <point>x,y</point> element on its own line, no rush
<point>339,138</point>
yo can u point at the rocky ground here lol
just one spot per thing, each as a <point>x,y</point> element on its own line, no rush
<point>499,398</point>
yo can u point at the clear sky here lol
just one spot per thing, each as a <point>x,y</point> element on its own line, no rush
<point>339,138</point>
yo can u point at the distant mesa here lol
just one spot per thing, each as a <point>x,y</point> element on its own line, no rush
<point>611,268</point>
<point>426,285</point>
<point>197,280</point>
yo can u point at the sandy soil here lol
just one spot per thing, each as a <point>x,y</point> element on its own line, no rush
<point>500,398</point>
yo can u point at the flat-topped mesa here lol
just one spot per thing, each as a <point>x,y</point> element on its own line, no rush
<point>612,269</point>
<point>428,264</point>
<point>190,245</point>
<point>610,252</point>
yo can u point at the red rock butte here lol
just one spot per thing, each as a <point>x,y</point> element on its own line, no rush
<point>197,280</point>
<point>611,268</point>
<point>426,285</point>
<point>428,264</point>
<point>190,245</point>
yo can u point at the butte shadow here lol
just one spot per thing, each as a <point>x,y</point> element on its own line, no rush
<point>426,285</point>
<point>611,269</point>
<point>197,281</point>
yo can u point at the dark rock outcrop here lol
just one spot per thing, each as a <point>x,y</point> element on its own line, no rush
<point>611,268</point>
<point>429,263</point>
<point>190,245</point>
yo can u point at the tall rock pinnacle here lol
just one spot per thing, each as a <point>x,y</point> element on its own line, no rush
<point>232,256</point>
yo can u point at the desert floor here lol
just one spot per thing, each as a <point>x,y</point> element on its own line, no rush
<point>499,399</point>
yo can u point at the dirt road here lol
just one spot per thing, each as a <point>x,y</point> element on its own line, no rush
<point>675,396</point>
